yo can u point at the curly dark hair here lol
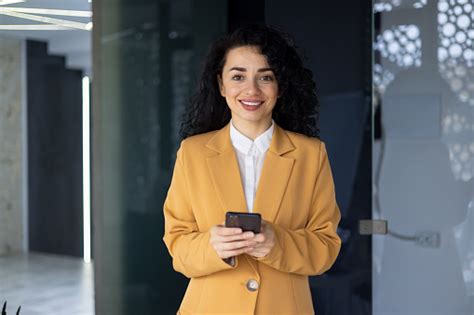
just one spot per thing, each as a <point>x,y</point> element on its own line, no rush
<point>297,108</point>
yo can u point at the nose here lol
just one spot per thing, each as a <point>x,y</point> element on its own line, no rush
<point>252,88</point>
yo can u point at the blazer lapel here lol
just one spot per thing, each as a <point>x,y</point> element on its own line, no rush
<point>225,175</point>
<point>275,175</point>
<point>224,170</point>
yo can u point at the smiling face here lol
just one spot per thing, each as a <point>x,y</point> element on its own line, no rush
<point>250,88</point>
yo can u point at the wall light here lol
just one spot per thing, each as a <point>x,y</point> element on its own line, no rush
<point>37,18</point>
<point>77,13</point>
<point>6,2</point>
<point>33,27</point>
<point>86,167</point>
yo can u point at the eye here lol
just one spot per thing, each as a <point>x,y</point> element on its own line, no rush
<point>267,78</point>
<point>237,77</point>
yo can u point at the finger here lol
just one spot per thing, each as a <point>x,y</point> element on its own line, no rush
<point>237,252</point>
<point>222,230</point>
<point>259,246</point>
<point>232,238</point>
<point>259,238</point>
<point>258,252</point>
<point>234,245</point>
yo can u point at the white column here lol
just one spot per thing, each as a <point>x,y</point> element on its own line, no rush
<point>13,223</point>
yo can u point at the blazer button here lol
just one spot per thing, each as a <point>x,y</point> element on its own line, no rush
<point>252,285</point>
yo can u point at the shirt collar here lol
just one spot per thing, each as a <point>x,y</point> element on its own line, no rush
<point>244,144</point>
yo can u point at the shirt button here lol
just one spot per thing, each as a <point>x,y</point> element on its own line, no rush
<point>252,285</point>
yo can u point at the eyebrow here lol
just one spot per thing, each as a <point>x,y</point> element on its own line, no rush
<point>244,70</point>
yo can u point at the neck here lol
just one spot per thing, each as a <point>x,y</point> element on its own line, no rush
<point>252,130</point>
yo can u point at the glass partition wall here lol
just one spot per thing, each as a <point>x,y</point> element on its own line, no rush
<point>147,55</point>
<point>146,58</point>
<point>423,161</point>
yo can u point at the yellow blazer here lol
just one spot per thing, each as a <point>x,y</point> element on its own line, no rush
<point>295,194</point>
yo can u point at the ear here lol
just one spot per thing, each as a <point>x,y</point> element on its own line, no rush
<point>221,86</point>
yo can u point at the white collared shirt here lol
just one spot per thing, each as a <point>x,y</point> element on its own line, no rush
<point>250,156</point>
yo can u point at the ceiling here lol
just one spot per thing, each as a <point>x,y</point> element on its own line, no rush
<point>74,44</point>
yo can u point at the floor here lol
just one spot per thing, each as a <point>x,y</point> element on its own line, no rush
<point>46,284</point>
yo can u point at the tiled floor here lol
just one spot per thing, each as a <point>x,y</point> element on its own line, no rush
<point>46,285</point>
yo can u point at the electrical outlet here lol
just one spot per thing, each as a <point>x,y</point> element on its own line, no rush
<point>431,239</point>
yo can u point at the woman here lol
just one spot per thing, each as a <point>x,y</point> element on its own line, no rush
<point>251,145</point>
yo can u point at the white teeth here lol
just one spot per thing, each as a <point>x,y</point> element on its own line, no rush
<point>251,103</point>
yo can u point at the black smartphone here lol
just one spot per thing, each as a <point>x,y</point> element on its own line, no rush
<point>244,220</point>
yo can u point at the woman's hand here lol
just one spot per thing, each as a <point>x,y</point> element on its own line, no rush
<point>265,240</point>
<point>230,242</point>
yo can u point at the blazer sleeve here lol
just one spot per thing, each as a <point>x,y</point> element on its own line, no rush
<point>192,254</point>
<point>311,250</point>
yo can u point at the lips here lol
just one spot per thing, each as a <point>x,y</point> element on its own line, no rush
<point>251,102</point>
<point>251,105</point>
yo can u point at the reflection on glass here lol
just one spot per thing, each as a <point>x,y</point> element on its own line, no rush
<point>464,237</point>
<point>401,45</point>
<point>455,51</point>
<point>456,67</point>
<point>426,156</point>
<point>389,5</point>
<point>458,135</point>
<point>149,53</point>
